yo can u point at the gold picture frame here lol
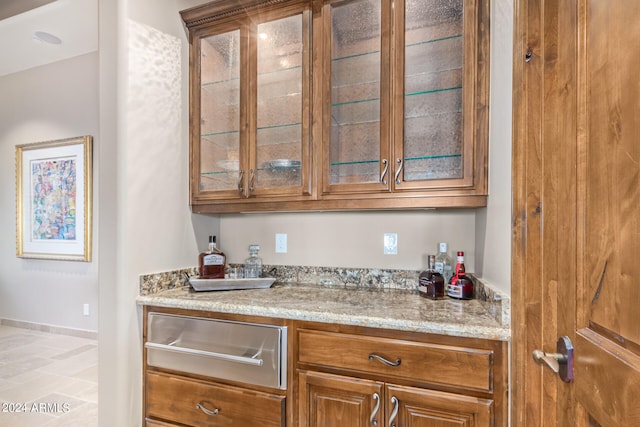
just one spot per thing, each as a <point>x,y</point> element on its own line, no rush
<point>54,199</point>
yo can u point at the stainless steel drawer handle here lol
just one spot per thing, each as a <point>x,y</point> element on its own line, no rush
<point>400,165</point>
<point>207,411</point>
<point>373,356</point>
<point>394,413</point>
<point>374,413</point>
<point>222,356</point>
<point>384,172</point>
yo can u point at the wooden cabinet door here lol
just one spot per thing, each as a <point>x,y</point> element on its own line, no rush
<point>355,77</point>
<point>414,407</point>
<point>250,108</point>
<point>279,119</point>
<point>439,102</point>
<point>218,65</point>
<point>328,400</point>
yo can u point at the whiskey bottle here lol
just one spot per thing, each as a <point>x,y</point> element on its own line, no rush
<point>431,282</point>
<point>443,262</point>
<point>212,261</point>
<point>460,286</point>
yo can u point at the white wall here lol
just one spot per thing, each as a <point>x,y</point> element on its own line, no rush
<point>144,109</point>
<point>493,223</point>
<point>49,102</point>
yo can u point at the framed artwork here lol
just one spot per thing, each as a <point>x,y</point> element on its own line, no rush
<point>53,199</point>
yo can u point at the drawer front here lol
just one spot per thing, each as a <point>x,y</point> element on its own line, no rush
<point>197,403</point>
<point>464,367</point>
<point>237,351</point>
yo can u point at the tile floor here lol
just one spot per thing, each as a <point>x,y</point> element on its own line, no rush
<point>47,379</point>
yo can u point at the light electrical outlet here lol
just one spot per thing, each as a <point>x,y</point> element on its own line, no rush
<point>85,309</point>
<point>281,243</point>
<point>390,243</point>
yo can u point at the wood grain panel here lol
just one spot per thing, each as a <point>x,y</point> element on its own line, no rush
<point>599,364</point>
<point>332,400</point>
<point>428,408</point>
<point>430,363</point>
<point>173,398</point>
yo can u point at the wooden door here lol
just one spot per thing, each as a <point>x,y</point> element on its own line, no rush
<point>576,225</point>
<point>334,401</point>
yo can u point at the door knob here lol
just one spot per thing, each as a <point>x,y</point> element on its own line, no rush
<point>560,362</point>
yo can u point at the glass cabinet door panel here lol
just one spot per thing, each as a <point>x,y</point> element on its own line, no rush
<point>433,63</point>
<point>279,125</point>
<point>355,92</point>
<point>220,112</point>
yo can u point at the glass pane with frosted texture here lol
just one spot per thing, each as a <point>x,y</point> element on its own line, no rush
<point>433,52</point>
<point>220,111</point>
<point>355,91</point>
<point>279,113</point>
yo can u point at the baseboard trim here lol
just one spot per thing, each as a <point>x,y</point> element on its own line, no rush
<point>52,329</point>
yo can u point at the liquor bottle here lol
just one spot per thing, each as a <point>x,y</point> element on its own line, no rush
<point>212,261</point>
<point>460,286</point>
<point>253,264</point>
<point>431,282</point>
<point>443,262</point>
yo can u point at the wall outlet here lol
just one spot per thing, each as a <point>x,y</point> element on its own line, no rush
<point>281,243</point>
<point>391,243</point>
<point>85,309</point>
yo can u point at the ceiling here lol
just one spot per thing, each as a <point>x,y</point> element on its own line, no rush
<point>74,22</point>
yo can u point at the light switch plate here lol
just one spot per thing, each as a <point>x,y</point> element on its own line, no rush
<point>391,243</point>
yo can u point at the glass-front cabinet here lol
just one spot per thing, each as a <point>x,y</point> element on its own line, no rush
<point>249,111</point>
<point>338,104</point>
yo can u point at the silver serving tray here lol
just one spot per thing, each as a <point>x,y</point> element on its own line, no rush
<point>230,284</point>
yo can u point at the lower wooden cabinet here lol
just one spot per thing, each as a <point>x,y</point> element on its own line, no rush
<point>328,400</point>
<point>341,376</point>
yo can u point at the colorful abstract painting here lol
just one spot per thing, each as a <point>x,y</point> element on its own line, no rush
<point>54,199</point>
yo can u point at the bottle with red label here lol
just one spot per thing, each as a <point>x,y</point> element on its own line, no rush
<point>212,261</point>
<point>460,286</point>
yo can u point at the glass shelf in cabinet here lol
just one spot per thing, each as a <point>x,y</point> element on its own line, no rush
<point>225,139</point>
<point>288,133</point>
<point>407,159</point>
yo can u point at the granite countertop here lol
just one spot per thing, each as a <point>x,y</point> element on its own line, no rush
<point>398,309</point>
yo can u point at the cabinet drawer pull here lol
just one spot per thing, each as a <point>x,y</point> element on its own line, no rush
<point>384,172</point>
<point>222,356</point>
<point>252,178</point>
<point>394,413</point>
<point>240,179</point>
<point>374,413</point>
<point>207,411</point>
<point>373,356</point>
<point>397,176</point>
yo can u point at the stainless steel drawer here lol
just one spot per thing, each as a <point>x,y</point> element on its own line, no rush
<point>246,352</point>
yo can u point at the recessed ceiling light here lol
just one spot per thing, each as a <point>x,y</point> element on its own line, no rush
<point>44,37</point>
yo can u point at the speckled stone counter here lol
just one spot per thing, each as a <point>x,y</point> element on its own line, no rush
<point>386,307</point>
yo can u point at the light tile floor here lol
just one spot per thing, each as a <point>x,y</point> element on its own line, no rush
<point>47,379</point>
